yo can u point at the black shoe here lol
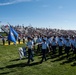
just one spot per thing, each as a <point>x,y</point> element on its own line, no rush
<point>28,62</point>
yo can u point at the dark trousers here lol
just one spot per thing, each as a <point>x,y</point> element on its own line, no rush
<point>3,42</point>
<point>39,48</point>
<point>67,49</point>
<point>19,41</point>
<point>8,42</point>
<point>54,49</point>
<point>74,51</point>
<point>60,50</point>
<point>43,54</point>
<point>23,40</point>
<point>30,55</point>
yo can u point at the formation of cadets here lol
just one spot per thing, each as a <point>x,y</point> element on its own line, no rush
<point>51,44</point>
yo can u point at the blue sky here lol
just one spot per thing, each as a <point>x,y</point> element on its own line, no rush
<point>60,14</point>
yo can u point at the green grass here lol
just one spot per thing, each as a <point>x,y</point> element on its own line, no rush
<point>11,65</point>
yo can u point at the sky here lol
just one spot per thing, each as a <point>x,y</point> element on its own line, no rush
<point>59,14</point>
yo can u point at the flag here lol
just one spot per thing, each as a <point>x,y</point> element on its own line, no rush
<point>11,36</point>
<point>14,32</point>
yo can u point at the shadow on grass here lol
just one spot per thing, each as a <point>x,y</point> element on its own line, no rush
<point>4,73</point>
<point>20,65</point>
<point>74,64</point>
<point>18,59</point>
<point>62,57</point>
<point>59,58</point>
<point>68,61</point>
<point>1,68</point>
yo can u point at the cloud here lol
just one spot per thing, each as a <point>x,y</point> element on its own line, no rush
<point>9,2</point>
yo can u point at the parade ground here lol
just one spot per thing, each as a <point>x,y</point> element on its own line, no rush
<point>10,64</point>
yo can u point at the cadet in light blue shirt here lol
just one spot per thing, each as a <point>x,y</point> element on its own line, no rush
<point>67,47</point>
<point>74,51</point>
<point>30,47</point>
<point>44,48</point>
<point>53,45</point>
<point>39,40</point>
<point>60,45</point>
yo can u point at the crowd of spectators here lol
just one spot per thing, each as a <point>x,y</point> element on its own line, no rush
<point>29,30</point>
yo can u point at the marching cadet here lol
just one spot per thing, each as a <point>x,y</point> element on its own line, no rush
<point>60,45</point>
<point>39,40</point>
<point>29,45</point>
<point>74,51</point>
<point>48,42</point>
<point>24,39</point>
<point>72,40</point>
<point>67,47</point>
<point>33,42</point>
<point>8,42</point>
<point>53,45</point>
<point>44,48</point>
<point>19,39</point>
<point>3,40</point>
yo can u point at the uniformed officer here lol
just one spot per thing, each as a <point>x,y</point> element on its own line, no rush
<point>53,45</point>
<point>19,39</point>
<point>30,48</point>
<point>74,50</point>
<point>39,40</point>
<point>3,40</point>
<point>24,39</point>
<point>60,45</point>
<point>67,47</point>
<point>44,48</point>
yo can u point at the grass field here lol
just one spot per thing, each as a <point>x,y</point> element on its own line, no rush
<point>11,65</point>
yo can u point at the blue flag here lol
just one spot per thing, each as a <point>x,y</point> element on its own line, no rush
<point>14,32</point>
<point>11,36</point>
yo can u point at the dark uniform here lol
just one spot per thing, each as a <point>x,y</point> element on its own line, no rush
<point>19,39</point>
<point>3,40</point>
<point>23,39</point>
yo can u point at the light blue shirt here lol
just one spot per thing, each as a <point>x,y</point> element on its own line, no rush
<point>74,44</point>
<point>50,39</point>
<point>30,44</point>
<point>44,45</point>
<point>68,44</point>
<point>60,43</point>
<point>47,41</point>
<point>39,40</point>
<point>72,41</point>
<point>53,43</point>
